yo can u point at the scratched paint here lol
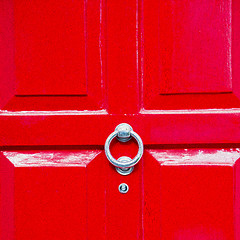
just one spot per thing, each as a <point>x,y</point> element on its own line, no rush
<point>197,156</point>
<point>51,158</point>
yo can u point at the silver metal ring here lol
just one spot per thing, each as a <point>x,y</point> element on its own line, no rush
<point>124,162</point>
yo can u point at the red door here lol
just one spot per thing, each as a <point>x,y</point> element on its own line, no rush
<point>71,71</point>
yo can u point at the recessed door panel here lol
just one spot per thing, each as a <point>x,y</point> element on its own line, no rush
<point>54,60</point>
<point>51,44</point>
<point>187,48</point>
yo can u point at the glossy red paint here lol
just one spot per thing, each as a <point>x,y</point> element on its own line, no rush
<point>198,192</point>
<point>173,194</point>
<point>71,71</point>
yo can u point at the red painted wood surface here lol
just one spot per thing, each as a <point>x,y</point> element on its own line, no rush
<point>71,71</point>
<point>191,52</point>
<point>173,194</point>
<point>53,56</point>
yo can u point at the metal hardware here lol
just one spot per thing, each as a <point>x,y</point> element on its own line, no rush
<point>123,188</point>
<point>127,170</point>
<point>124,132</point>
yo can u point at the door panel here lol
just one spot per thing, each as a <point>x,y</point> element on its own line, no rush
<point>46,194</point>
<point>51,48</point>
<point>57,58</point>
<point>192,47</point>
<point>187,50</point>
<point>195,196</point>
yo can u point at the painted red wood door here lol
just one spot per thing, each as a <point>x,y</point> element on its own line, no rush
<point>71,71</point>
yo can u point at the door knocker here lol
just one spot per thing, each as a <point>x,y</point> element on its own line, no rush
<point>124,165</point>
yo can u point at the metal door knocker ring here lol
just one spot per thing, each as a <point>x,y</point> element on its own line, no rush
<point>124,132</point>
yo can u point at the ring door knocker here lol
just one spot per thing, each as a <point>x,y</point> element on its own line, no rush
<point>124,165</point>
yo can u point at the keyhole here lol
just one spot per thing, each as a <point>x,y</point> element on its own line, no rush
<point>123,188</point>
